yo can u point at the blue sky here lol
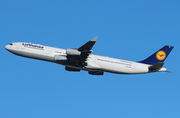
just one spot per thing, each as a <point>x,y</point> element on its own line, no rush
<point>130,30</point>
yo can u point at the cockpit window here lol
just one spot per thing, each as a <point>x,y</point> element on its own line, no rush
<point>10,44</point>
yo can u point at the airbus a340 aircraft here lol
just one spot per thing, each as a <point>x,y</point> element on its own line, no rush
<point>76,59</point>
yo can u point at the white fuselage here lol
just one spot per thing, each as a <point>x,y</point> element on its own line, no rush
<point>94,62</point>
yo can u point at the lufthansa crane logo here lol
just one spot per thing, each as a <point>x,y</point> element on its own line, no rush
<point>160,55</point>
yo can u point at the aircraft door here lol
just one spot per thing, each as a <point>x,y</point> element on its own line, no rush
<point>17,46</point>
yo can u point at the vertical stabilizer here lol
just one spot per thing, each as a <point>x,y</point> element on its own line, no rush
<point>159,56</point>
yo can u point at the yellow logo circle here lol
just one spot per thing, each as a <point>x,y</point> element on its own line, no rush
<point>160,55</point>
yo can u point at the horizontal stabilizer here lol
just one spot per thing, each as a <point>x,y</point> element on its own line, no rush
<point>168,71</point>
<point>156,66</point>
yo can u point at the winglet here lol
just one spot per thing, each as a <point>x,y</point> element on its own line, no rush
<point>94,39</point>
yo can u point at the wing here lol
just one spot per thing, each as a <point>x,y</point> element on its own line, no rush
<point>88,46</point>
<point>78,56</point>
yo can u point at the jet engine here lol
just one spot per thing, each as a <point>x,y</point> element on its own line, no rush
<point>60,58</point>
<point>71,69</point>
<point>71,51</point>
<point>96,72</point>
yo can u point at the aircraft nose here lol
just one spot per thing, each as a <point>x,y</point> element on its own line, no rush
<point>6,47</point>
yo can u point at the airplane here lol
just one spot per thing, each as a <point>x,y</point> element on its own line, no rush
<point>76,59</point>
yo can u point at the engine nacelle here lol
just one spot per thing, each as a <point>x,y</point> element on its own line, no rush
<point>70,51</point>
<point>96,72</point>
<point>71,69</point>
<point>60,58</point>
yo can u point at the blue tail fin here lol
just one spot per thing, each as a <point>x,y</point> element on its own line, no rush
<point>159,56</point>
